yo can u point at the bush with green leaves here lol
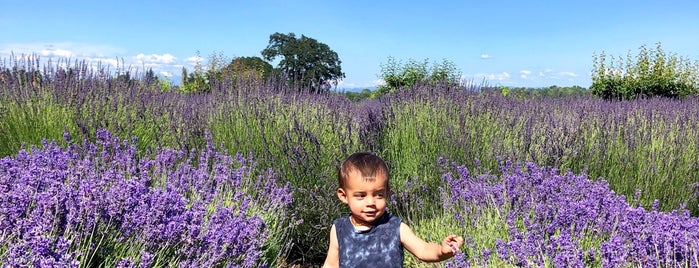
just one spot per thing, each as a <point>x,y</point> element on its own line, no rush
<point>650,74</point>
<point>397,75</point>
<point>543,92</point>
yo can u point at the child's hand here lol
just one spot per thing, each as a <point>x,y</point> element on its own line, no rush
<point>452,244</point>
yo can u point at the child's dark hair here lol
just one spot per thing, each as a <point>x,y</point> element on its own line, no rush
<point>368,164</point>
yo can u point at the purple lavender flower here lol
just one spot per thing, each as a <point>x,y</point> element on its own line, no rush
<point>458,261</point>
<point>63,207</point>
<point>549,213</point>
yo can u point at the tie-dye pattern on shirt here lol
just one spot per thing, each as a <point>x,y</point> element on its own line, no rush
<point>379,246</point>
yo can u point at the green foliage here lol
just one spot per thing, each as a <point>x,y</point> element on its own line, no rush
<point>650,74</point>
<point>241,69</point>
<point>253,69</point>
<point>359,96</point>
<point>417,136</point>
<point>165,84</point>
<point>31,122</point>
<point>306,63</point>
<point>201,79</point>
<point>551,92</point>
<point>397,75</point>
<point>196,81</point>
<point>483,230</point>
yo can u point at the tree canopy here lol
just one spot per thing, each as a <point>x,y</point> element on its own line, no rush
<point>254,69</point>
<point>305,62</point>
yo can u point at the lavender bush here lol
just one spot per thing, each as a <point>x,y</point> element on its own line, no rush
<point>99,204</point>
<point>547,218</point>
<point>647,144</point>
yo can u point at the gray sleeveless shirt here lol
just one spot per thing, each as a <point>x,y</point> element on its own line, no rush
<point>379,246</point>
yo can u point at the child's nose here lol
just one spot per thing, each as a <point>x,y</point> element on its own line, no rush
<point>371,200</point>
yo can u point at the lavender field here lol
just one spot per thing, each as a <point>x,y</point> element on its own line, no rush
<point>98,171</point>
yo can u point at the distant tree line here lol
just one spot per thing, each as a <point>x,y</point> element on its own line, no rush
<point>514,92</point>
<point>539,92</point>
<point>239,69</point>
<point>304,64</point>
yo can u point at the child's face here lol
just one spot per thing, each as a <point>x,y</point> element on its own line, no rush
<point>366,198</point>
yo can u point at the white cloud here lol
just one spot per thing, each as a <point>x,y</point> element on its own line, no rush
<point>501,77</point>
<point>345,84</point>
<point>97,56</point>
<point>105,61</point>
<point>568,74</point>
<point>551,74</point>
<point>494,76</point>
<point>525,77</point>
<point>157,59</point>
<point>485,56</point>
<point>60,49</point>
<point>61,53</point>
<point>194,59</point>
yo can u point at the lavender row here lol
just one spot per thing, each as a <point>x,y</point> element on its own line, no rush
<point>562,219</point>
<point>100,204</point>
<point>646,143</point>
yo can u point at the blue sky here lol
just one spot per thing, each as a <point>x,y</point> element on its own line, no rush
<point>509,43</point>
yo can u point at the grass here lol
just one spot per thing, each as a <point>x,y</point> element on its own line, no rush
<point>31,122</point>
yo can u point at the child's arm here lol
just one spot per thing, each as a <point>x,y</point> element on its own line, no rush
<point>429,252</point>
<point>332,260</point>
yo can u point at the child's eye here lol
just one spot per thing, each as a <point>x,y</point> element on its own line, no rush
<point>380,195</point>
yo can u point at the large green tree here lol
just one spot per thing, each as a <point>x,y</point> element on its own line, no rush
<point>305,62</point>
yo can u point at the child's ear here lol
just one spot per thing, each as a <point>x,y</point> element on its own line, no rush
<point>342,195</point>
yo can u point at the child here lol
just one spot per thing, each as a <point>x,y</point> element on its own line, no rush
<point>370,236</point>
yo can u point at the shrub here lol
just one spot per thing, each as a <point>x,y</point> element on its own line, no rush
<point>100,205</point>
<point>553,218</point>
<point>650,74</point>
<point>397,75</point>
